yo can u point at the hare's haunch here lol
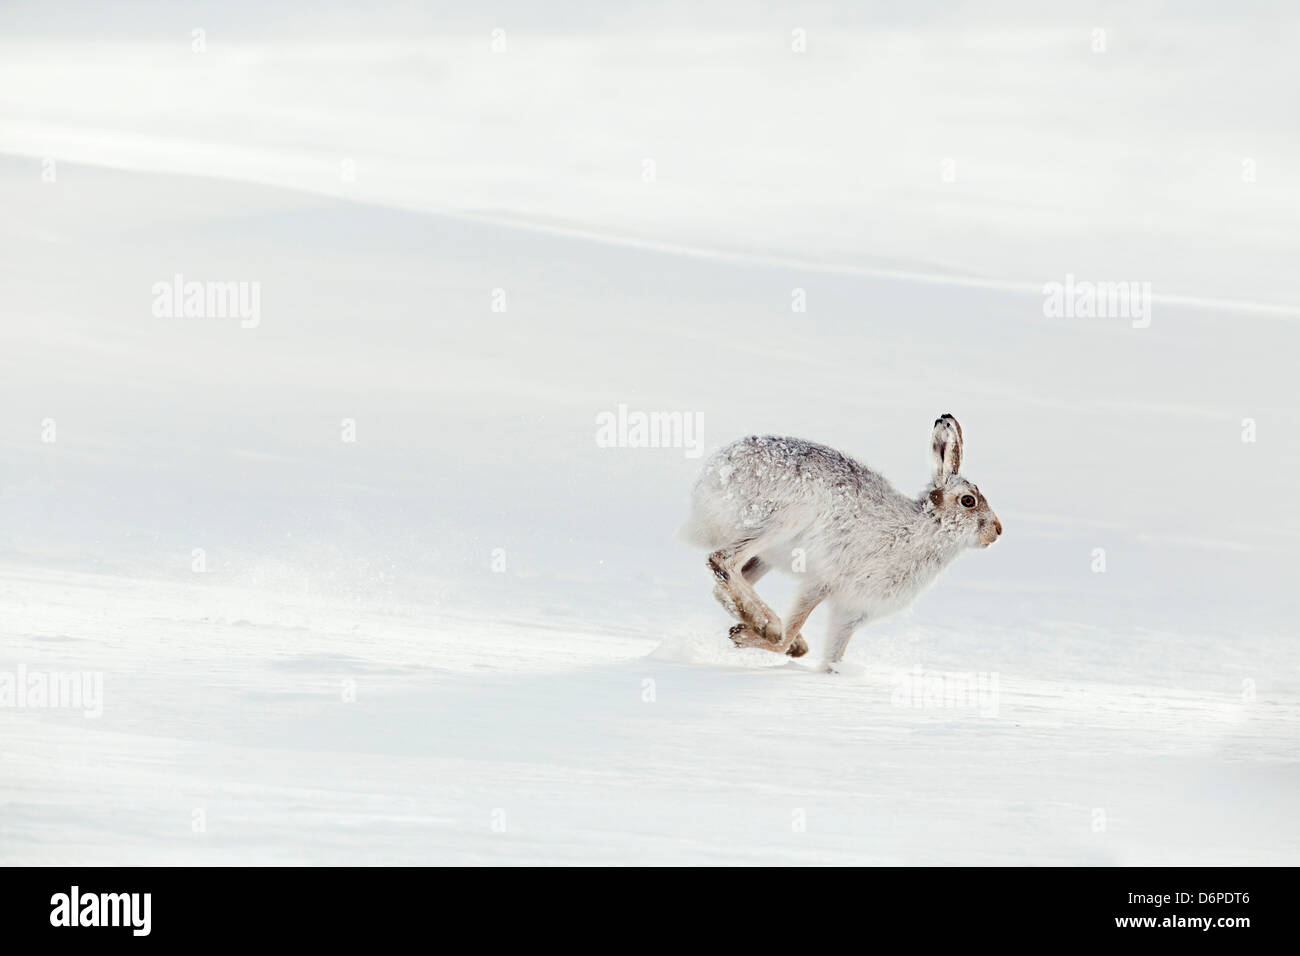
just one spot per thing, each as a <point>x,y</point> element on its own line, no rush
<point>853,541</point>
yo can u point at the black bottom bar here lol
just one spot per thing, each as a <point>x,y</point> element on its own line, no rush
<point>929,906</point>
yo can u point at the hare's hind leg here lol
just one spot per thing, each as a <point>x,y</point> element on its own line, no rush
<point>745,636</point>
<point>735,593</point>
<point>791,641</point>
<point>735,570</point>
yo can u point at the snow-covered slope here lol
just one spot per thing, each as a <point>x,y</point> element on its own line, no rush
<point>310,730</point>
<point>350,680</point>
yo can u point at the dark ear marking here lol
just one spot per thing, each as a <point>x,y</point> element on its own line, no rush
<point>958,445</point>
<point>946,447</point>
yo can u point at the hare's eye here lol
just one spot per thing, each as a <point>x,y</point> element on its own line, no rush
<point>968,501</point>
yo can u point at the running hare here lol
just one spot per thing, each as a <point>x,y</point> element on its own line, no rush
<point>853,540</point>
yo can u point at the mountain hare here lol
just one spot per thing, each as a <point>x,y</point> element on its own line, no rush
<point>853,540</point>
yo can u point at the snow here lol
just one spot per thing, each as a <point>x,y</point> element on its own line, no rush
<point>470,635</point>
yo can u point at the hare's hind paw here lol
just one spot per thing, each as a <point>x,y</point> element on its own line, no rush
<point>742,635</point>
<point>745,635</point>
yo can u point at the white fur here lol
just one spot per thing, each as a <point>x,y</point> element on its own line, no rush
<point>867,550</point>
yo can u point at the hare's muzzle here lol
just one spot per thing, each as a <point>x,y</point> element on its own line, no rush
<point>990,531</point>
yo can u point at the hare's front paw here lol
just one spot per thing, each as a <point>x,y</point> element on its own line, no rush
<point>846,668</point>
<point>799,648</point>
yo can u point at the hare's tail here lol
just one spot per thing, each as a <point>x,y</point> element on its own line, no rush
<point>701,532</point>
<point>709,525</point>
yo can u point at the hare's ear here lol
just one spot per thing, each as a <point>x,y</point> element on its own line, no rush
<point>945,447</point>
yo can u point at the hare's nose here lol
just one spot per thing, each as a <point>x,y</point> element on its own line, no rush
<point>997,526</point>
